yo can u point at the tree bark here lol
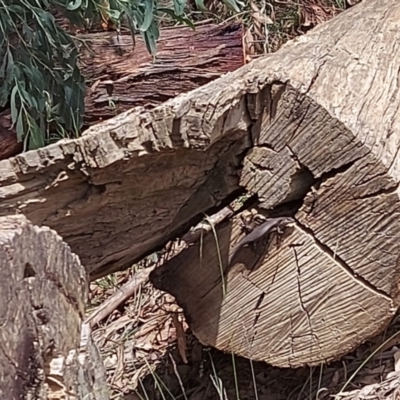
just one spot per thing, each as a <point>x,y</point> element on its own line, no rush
<point>315,127</point>
<point>124,77</point>
<point>120,76</point>
<point>9,145</point>
<point>42,302</point>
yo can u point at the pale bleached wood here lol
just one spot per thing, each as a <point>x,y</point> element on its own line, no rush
<point>328,135</point>
<point>320,120</point>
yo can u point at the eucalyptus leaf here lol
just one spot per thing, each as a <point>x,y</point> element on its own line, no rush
<point>36,138</point>
<point>3,68</point>
<point>27,32</point>
<point>11,70</point>
<point>13,104</point>
<point>20,127</point>
<point>4,94</point>
<point>179,7</point>
<point>150,38</point>
<point>114,14</point>
<point>137,16</point>
<point>200,5</point>
<point>148,15</point>
<point>183,20</point>
<point>16,8</point>
<point>232,4</point>
<point>74,5</point>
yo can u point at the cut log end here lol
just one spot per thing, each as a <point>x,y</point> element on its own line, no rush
<point>291,303</point>
<point>42,302</point>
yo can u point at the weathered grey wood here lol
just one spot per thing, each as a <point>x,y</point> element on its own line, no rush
<point>329,135</point>
<point>128,185</point>
<point>320,120</point>
<point>43,291</point>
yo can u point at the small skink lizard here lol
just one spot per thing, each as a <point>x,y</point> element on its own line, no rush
<point>260,232</point>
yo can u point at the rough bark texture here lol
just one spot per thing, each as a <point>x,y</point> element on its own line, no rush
<point>320,120</point>
<point>186,59</point>
<point>42,300</point>
<point>121,77</point>
<point>9,145</point>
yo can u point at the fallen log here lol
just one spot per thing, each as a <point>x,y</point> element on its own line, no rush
<point>121,76</point>
<point>44,353</point>
<point>314,126</point>
<point>334,281</point>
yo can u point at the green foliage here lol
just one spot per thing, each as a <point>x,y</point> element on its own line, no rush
<point>39,76</point>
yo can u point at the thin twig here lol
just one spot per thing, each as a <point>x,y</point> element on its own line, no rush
<point>119,297</point>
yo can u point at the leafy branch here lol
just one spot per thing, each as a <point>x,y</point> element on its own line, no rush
<point>39,75</point>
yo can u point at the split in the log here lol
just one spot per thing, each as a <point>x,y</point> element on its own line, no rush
<point>315,124</point>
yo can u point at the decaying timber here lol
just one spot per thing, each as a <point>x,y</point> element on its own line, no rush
<point>44,354</point>
<point>334,281</point>
<point>123,76</point>
<point>315,124</point>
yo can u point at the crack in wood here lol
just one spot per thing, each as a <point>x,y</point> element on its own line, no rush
<point>301,302</point>
<point>360,280</point>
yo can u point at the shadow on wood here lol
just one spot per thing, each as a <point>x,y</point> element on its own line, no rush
<point>316,123</point>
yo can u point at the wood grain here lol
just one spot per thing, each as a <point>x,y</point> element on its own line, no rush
<point>42,303</point>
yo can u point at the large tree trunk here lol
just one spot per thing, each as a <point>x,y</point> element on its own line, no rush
<point>43,293</point>
<point>314,126</point>
<point>120,76</point>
